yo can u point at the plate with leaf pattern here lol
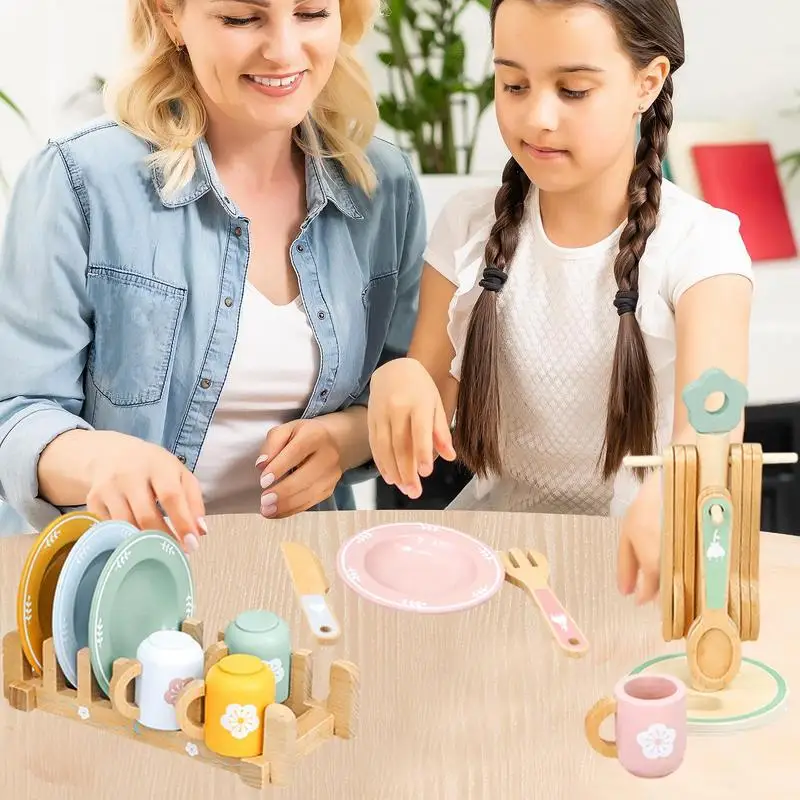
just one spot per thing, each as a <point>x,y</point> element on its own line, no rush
<point>39,578</point>
<point>75,589</point>
<point>145,586</point>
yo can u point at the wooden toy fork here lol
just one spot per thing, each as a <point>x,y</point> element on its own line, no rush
<point>529,571</point>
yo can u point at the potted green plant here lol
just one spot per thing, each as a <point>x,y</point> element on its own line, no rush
<point>431,104</point>
<point>429,92</point>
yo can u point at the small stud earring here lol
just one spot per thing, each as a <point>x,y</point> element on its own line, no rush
<point>641,108</point>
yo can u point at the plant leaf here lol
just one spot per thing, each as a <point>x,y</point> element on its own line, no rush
<point>6,100</point>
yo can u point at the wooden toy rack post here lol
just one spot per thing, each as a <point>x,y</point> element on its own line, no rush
<point>292,729</point>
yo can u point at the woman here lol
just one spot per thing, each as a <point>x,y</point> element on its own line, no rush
<point>193,297</point>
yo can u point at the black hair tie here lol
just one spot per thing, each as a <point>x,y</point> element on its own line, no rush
<point>493,279</point>
<point>625,301</point>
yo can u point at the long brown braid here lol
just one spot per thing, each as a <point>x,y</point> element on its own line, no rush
<point>477,419</point>
<point>646,29</point>
<point>631,416</point>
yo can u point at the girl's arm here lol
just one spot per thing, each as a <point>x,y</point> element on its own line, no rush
<point>413,399</point>
<point>712,329</point>
<point>430,344</point>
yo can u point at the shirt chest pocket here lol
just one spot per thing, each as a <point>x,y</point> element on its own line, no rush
<point>378,299</point>
<point>136,320</point>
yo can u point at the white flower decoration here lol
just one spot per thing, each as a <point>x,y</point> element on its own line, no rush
<point>657,741</point>
<point>241,721</point>
<point>715,550</point>
<point>276,665</point>
<point>191,749</point>
<point>83,712</point>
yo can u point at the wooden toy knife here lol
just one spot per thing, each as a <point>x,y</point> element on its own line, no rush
<point>311,586</point>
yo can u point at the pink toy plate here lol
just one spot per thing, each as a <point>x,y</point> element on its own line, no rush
<point>418,567</point>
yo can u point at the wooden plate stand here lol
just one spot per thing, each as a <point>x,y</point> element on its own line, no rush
<point>292,729</point>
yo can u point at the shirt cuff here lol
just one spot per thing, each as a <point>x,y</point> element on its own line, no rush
<point>22,441</point>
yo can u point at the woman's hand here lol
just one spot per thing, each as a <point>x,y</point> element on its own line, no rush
<point>301,465</point>
<point>639,560</point>
<point>407,424</point>
<point>122,478</point>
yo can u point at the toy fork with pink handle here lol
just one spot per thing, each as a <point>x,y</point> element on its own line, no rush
<point>529,571</point>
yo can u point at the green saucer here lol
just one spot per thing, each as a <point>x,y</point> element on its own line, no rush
<point>752,699</point>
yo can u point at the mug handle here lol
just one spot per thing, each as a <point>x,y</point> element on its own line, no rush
<point>603,708</point>
<point>193,691</point>
<point>124,671</point>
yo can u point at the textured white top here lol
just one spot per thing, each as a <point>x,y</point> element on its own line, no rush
<point>272,373</point>
<point>558,331</point>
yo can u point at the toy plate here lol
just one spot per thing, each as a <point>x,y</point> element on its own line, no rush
<point>420,567</point>
<point>75,589</point>
<point>37,585</point>
<point>145,586</point>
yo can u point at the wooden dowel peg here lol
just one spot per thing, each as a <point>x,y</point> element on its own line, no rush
<point>656,461</point>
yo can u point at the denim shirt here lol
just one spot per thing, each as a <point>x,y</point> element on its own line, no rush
<point>119,304</point>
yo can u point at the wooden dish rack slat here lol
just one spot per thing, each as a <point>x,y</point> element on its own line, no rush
<point>292,730</point>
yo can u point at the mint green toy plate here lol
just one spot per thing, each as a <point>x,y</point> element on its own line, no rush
<point>145,586</point>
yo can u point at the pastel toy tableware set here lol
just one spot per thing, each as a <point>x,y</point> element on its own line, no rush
<point>106,636</point>
<point>106,633</point>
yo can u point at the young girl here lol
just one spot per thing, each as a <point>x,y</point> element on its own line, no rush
<point>563,315</point>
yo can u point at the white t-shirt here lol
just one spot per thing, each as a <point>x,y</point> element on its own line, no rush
<point>271,376</point>
<point>558,330</point>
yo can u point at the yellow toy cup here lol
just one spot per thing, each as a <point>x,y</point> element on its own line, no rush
<point>237,691</point>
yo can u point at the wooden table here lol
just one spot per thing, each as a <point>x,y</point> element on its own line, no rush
<point>459,707</point>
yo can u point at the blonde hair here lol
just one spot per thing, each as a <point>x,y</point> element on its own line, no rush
<point>158,100</point>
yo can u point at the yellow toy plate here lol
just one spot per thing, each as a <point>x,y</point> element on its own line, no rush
<point>37,585</point>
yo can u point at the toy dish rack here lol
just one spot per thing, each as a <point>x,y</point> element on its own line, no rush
<point>711,527</point>
<point>292,729</point>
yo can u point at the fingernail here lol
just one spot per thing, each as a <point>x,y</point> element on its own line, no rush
<point>267,479</point>
<point>201,523</point>
<point>190,542</point>
<point>270,499</point>
<point>268,511</point>
<point>261,460</point>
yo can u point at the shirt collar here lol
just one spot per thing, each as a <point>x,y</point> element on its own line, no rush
<point>325,181</point>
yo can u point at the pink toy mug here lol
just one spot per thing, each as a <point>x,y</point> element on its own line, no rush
<point>649,725</point>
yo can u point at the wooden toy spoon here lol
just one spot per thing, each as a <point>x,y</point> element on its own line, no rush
<point>713,646</point>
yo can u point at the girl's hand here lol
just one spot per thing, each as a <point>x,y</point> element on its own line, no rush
<point>407,424</point>
<point>301,465</point>
<point>639,560</point>
<point>129,476</point>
